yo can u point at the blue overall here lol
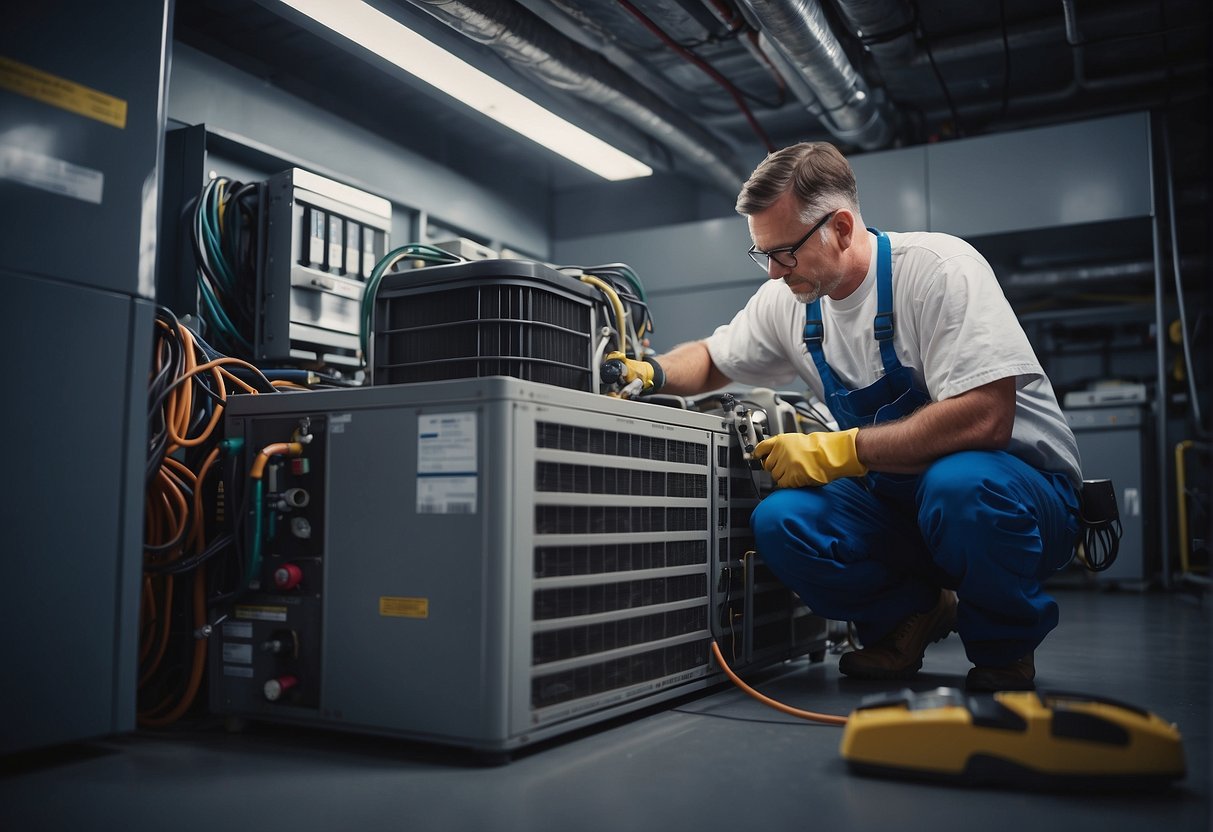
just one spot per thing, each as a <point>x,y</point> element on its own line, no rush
<point>876,549</point>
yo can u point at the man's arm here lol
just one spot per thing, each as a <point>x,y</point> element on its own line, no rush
<point>690,370</point>
<point>978,419</point>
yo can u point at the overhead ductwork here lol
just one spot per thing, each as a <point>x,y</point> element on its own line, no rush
<point>885,27</point>
<point>542,53</point>
<point>799,30</point>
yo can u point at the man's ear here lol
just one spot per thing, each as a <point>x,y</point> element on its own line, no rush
<point>844,227</point>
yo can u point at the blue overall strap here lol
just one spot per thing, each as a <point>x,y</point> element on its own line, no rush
<point>814,330</point>
<point>882,325</point>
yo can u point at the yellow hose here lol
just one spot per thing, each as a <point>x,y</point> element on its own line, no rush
<point>616,303</point>
<point>1182,503</point>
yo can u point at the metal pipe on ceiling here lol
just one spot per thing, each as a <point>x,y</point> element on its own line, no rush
<point>540,52</point>
<point>799,30</point>
<point>884,27</point>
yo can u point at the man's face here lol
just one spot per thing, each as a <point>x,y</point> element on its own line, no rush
<point>816,271</point>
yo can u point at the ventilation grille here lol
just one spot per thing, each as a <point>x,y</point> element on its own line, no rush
<point>563,561</point>
<point>572,601</point>
<point>617,519</point>
<point>743,488</point>
<point>610,635</point>
<point>528,332</point>
<point>592,479</point>
<point>617,673</point>
<point>616,443</point>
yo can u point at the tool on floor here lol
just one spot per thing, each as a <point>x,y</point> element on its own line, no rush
<point>1029,739</point>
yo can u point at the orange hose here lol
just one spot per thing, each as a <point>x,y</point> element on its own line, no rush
<point>166,620</point>
<point>828,719</point>
<point>198,665</point>
<point>263,458</point>
<point>199,525</point>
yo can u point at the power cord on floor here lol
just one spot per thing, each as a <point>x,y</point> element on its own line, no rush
<point>828,719</point>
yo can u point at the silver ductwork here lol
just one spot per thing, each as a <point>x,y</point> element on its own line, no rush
<point>799,30</point>
<point>886,28</point>
<point>540,52</point>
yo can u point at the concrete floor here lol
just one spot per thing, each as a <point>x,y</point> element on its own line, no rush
<point>718,760</point>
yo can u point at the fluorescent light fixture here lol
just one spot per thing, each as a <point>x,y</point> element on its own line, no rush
<point>394,42</point>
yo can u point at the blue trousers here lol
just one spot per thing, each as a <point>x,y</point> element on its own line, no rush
<point>876,549</point>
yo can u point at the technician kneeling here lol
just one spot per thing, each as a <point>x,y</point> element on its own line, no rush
<point>949,491</point>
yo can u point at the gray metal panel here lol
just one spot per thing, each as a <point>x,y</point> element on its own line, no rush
<point>1074,173</point>
<point>112,239</point>
<point>427,676</point>
<point>893,188</point>
<point>73,512</point>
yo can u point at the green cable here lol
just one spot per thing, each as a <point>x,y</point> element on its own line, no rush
<point>418,251</point>
<point>255,561</point>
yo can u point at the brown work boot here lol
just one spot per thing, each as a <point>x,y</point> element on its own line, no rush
<point>899,654</point>
<point>1017,675</point>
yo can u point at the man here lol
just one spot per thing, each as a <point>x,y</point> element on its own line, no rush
<point>949,491</point>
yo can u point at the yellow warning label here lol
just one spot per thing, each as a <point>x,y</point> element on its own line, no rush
<point>255,612</point>
<point>60,92</point>
<point>405,607</point>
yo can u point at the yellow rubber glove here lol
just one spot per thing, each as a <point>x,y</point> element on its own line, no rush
<point>799,459</point>
<point>630,370</point>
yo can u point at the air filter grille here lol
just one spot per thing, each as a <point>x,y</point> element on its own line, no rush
<point>581,682</point>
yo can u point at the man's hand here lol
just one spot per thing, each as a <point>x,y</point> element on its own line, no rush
<point>631,375</point>
<point>799,459</point>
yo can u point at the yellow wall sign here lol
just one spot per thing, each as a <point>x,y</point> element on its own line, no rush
<point>404,607</point>
<point>60,92</point>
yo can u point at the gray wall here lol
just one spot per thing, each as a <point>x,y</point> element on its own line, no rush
<point>697,275</point>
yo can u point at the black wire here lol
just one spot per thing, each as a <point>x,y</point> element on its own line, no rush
<point>191,563</point>
<point>1006,58</point>
<point>810,412</point>
<point>926,42</point>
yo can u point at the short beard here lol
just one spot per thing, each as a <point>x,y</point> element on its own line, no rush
<point>826,288</point>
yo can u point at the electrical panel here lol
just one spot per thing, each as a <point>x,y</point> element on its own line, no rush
<point>488,562</point>
<point>322,241</point>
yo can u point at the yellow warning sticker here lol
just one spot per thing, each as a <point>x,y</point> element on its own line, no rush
<point>256,612</point>
<point>60,92</point>
<point>405,607</point>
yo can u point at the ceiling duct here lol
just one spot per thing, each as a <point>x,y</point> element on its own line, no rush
<point>884,27</point>
<point>799,30</point>
<point>540,52</point>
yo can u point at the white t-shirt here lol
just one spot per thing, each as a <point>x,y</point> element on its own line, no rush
<point>954,331</point>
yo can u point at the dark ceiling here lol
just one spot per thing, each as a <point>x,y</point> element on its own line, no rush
<point>963,68</point>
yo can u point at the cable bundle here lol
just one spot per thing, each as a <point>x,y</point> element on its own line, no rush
<point>425,254</point>
<point>1099,516</point>
<point>625,303</point>
<point>224,232</point>
<point>187,526</point>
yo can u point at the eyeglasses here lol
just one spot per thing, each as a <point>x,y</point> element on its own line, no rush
<point>785,256</point>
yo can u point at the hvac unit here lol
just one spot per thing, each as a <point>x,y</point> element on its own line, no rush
<point>486,563</point>
<point>484,318</point>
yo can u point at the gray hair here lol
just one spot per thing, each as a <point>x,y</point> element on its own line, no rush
<point>817,174</point>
